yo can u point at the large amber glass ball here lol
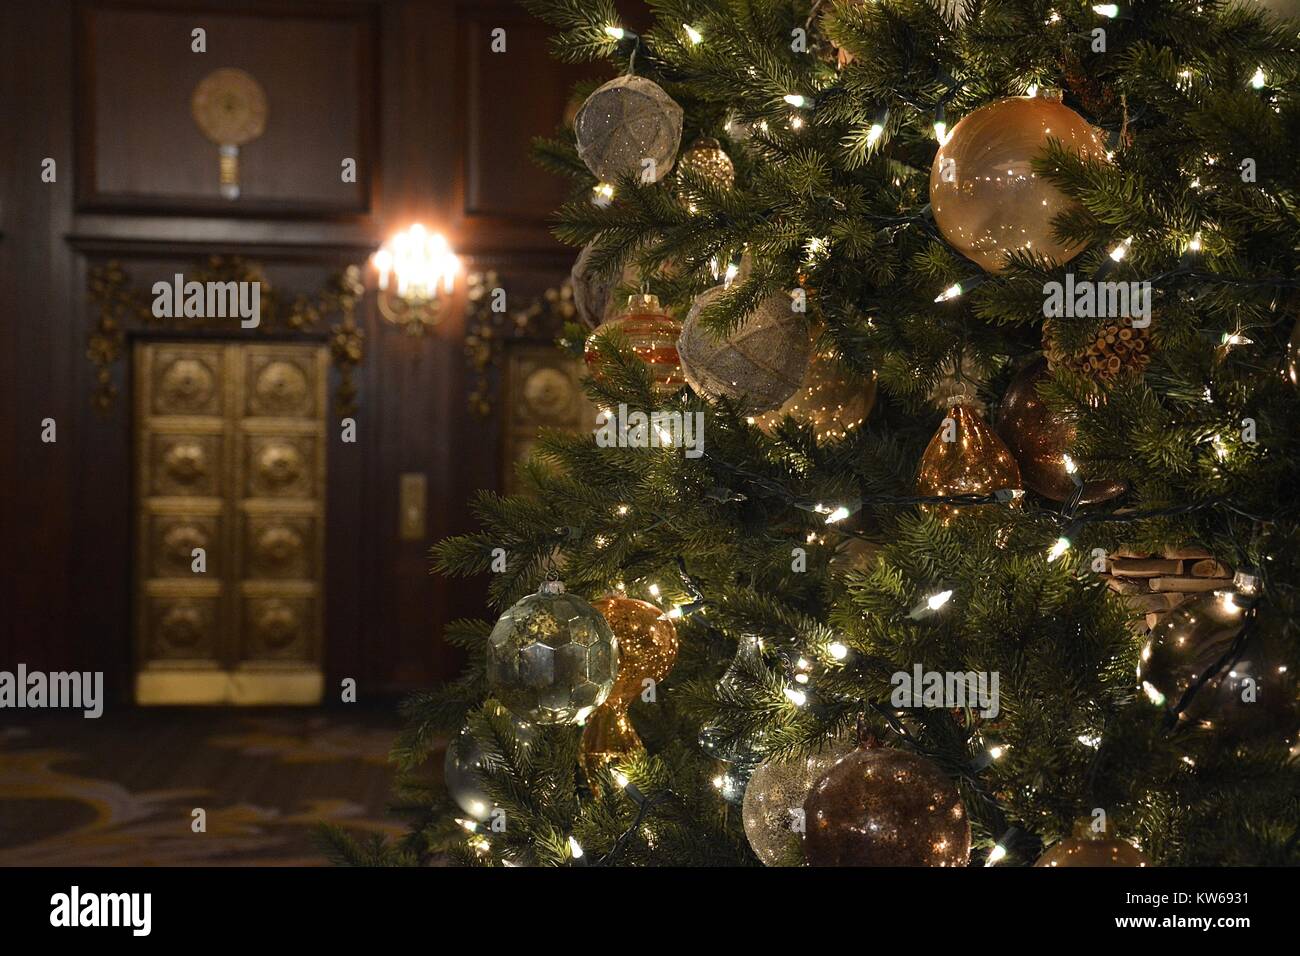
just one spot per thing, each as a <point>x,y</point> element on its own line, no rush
<point>987,198</point>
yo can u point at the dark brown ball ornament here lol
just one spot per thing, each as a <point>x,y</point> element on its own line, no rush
<point>1039,439</point>
<point>883,807</point>
<point>1254,697</point>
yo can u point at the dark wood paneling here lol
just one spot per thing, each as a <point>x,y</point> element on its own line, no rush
<point>65,512</point>
<point>137,72</point>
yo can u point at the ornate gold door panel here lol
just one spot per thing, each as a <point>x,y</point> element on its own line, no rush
<point>230,457</point>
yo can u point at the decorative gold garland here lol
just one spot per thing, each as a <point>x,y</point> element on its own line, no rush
<point>487,331</point>
<point>121,304</point>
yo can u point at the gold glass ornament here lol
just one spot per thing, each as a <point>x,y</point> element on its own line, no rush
<point>758,365</point>
<point>652,335</point>
<point>1039,439</point>
<point>707,160</point>
<point>629,127</point>
<point>551,658</point>
<point>884,807</point>
<point>965,457</point>
<point>1254,697</point>
<point>647,646</point>
<point>1089,848</point>
<point>986,197</point>
<point>773,805</point>
<point>831,398</point>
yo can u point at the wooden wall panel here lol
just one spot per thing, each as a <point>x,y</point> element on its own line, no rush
<point>137,73</point>
<point>65,514</point>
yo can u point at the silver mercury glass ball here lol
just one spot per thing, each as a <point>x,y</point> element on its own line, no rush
<point>773,809</point>
<point>551,658</point>
<point>462,767</point>
<point>629,127</point>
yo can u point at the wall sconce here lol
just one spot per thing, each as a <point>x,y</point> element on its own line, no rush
<point>417,274</point>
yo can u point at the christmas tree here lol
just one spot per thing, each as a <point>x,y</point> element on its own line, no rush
<point>946,469</point>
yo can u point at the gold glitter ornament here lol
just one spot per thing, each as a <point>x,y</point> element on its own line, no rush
<point>1090,848</point>
<point>884,807</point>
<point>831,398</point>
<point>707,160</point>
<point>551,658</point>
<point>773,806</point>
<point>986,197</point>
<point>965,457</point>
<point>647,648</point>
<point>759,364</point>
<point>629,127</point>
<point>1039,439</point>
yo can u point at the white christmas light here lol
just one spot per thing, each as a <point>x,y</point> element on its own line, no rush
<point>1106,9</point>
<point>1259,79</point>
<point>952,292</point>
<point>796,697</point>
<point>839,514</point>
<point>654,590</point>
<point>996,855</point>
<point>1120,251</point>
<point>1070,466</point>
<point>874,133</point>
<point>693,34</point>
<point>837,650</point>
<point>941,132</point>
<point>936,601</point>
<point>575,848</point>
<point>616,32</point>
<point>1062,545</point>
<point>795,100</point>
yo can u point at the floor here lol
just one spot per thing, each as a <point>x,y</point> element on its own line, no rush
<point>77,792</point>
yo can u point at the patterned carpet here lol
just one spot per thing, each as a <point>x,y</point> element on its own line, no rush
<point>121,791</point>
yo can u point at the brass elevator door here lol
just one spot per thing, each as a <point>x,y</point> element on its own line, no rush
<point>230,510</point>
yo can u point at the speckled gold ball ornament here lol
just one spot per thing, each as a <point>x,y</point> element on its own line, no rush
<point>623,124</point>
<point>647,649</point>
<point>965,457</point>
<point>1119,349</point>
<point>1039,439</point>
<point>832,399</point>
<point>1089,848</point>
<point>759,365</point>
<point>1255,697</point>
<point>773,807</point>
<point>884,807</point>
<point>551,658</point>
<point>986,197</point>
<point>707,160</point>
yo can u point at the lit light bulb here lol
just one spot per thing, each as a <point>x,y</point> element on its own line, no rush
<point>1120,251</point>
<point>839,514</point>
<point>795,100</point>
<point>996,855</point>
<point>941,132</point>
<point>575,848</point>
<point>952,292</point>
<point>616,32</point>
<point>1070,466</point>
<point>936,601</point>
<point>1062,545</point>
<point>654,590</point>
<point>796,697</point>
<point>1259,79</point>
<point>694,35</point>
<point>837,650</point>
<point>874,133</point>
<point>1106,9</point>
